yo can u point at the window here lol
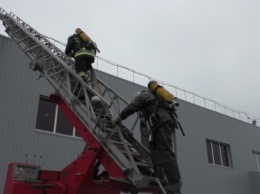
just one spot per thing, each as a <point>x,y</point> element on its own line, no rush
<point>50,118</point>
<point>218,153</point>
<point>257,158</point>
<point>63,125</point>
<point>46,115</point>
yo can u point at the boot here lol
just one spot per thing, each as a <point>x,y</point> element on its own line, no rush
<point>174,188</point>
<point>159,173</point>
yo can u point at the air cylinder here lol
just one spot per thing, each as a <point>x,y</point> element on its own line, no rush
<point>161,91</point>
<point>82,35</point>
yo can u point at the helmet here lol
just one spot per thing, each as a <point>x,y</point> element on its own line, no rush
<point>150,83</point>
<point>136,95</point>
<point>95,100</point>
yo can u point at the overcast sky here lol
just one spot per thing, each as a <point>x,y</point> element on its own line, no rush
<point>209,47</point>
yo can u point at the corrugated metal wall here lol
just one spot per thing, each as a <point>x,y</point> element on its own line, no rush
<point>20,92</point>
<point>201,124</point>
<point>18,110</point>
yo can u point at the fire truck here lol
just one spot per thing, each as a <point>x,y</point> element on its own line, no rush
<point>126,164</point>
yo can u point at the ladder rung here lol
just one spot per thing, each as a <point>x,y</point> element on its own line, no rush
<point>17,31</point>
<point>132,153</point>
<point>51,75</point>
<point>120,143</point>
<point>22,39</point>
<point>31,48</point>
<point>44,58</point>
<point>142,164</point>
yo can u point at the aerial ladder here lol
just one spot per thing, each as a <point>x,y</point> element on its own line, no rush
<point>126,163</point>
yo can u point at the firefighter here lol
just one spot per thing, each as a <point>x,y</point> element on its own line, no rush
<point>162,124</point>
<point>100,112</point>
<point>83,52</point>
<point>97,105</point>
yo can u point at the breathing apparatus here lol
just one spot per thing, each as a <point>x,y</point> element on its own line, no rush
<point>161,92</point>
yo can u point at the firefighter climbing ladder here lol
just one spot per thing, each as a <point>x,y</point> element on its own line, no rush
<point>124,158</point>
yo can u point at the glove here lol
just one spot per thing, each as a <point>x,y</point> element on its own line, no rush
<point>116,120</point>
<point>95,46</point>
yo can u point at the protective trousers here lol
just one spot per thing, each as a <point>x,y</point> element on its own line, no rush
<point>82,65</point>
<point>162,153</point>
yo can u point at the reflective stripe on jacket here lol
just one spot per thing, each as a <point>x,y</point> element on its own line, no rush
<point>85,52</point>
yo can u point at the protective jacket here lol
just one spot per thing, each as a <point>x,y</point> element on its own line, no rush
<point>78,48</point>
<point>150,105</point>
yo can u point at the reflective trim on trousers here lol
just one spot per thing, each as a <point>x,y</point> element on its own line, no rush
<point>85,52</point>
<point>82,74</point>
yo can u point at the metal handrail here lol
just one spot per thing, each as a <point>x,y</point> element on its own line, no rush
<point>142,79</point>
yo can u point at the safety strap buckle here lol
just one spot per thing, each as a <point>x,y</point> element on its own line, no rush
<point>152,119</point>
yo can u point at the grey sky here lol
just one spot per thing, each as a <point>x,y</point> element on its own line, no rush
<point>207,47</point>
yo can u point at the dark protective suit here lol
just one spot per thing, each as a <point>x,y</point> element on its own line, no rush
<point>163,125</point>
<point>83,53</point>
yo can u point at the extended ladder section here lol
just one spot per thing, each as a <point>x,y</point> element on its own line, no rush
<point>131,158</point>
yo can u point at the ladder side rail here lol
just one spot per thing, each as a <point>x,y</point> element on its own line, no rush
<point>46,75</point>
<point>111,147</point>
<point>36,39</point>
<point>43,67</point>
